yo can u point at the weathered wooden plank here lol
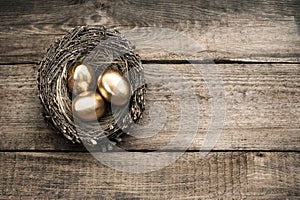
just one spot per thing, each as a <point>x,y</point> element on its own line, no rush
<point>230,175</point>
<point>232,30</point>
<point>262,104</point>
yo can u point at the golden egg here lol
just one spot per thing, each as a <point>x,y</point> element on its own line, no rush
<point>114,87</point>
<point>80,78</point>
<point>88,106</point>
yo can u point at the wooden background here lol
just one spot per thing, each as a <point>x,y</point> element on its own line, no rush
<point>256,48</point>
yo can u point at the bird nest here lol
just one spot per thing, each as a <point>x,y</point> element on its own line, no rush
<point>101,49</point>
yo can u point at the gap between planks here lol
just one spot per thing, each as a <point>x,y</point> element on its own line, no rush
<point>183,62</point>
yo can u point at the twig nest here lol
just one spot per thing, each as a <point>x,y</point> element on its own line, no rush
<point>91,85</point>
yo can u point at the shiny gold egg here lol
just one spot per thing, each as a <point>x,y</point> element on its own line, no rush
<point>114,87</point>
<point>80,78</point>
<point>88,106</point>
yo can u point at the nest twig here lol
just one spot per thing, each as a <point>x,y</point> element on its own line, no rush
<point>102,49</point>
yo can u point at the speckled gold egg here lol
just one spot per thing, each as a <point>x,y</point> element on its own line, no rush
<point>114,87</point>
<point>80,78</point>
<point>88,106</point>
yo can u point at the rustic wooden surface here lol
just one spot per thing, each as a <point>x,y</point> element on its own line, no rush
<point>222,175</point>
<point>233,30</point>
<point>262,108</point>
<point>256,48</point>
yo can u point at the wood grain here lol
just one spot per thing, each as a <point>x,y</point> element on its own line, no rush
<point>262,103</point>
<point>264,31</point>
<point>257,154</point>
<point>231,175</point>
